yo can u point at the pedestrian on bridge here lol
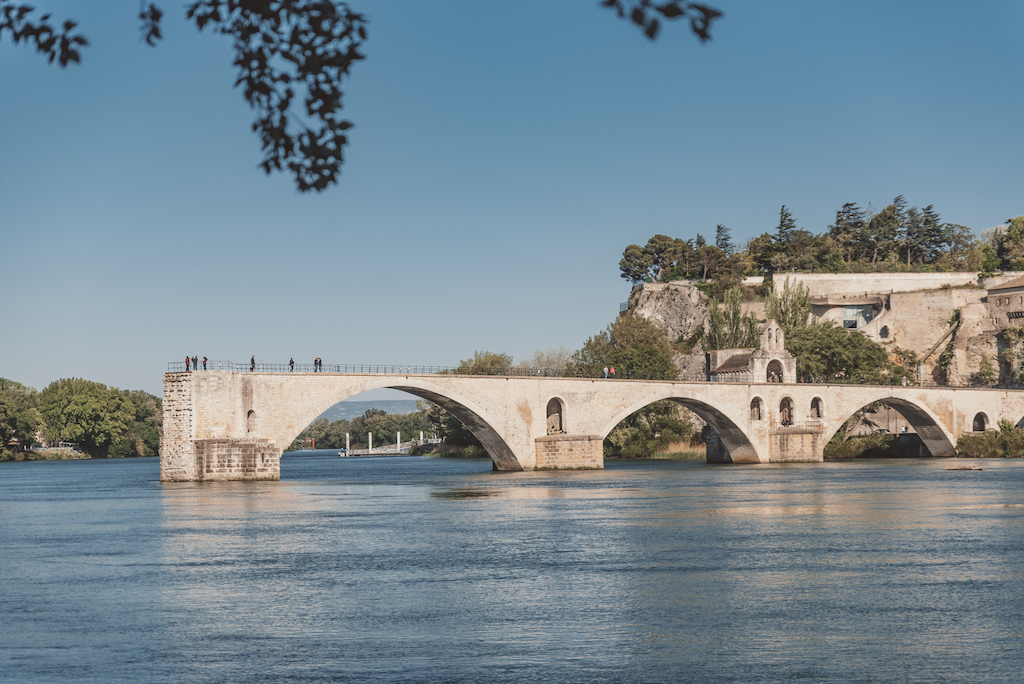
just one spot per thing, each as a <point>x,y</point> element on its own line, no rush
<point>606,372</point>
<point>187,362</point>
<point>252,363</point>
<point>613,372</point>
<point>204,363</point>
<point>195,362</point>
<point>291,365</point>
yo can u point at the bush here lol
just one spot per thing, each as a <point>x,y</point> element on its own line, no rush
<point>1008,442</point>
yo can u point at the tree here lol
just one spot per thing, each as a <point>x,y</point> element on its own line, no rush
<point>723,239</point>
<point>827,353</point>
<point>77,410</point>
<point>791,308</point>
<point>289,48</point>
<point>784,231</point>
<point>728,327</point>
<point>986,372</point>
<point>636,346</point>
<point>484,363</point>
<point>19,418</point>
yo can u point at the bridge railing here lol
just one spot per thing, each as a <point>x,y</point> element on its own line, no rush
<point>370,368</point>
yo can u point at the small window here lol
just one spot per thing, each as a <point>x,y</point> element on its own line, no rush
<point>555,417</point>
<point>755,409</point>
<point>250,421</point>
<point>884,332</point>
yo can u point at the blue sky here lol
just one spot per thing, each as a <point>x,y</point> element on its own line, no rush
<point>504,155</point>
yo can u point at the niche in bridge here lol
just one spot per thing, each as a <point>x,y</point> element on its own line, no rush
<point>756,408</point>
<point>774,372</point>
<point>817,408</point>
<point>980,422</point>
<point>556,424</point>
<point>250,421</point>
<point>786,411</point>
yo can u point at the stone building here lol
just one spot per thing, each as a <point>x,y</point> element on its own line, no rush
<point>769,363</point>
<point>1006,302</point>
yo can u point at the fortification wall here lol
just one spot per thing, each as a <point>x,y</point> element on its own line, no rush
<point>826,284</point>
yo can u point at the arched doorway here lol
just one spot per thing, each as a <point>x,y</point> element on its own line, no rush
<point>756,410</point>
<point>980,422</point>
<point>555,423</point>
<point>786,411</point>
<point>774,372</point>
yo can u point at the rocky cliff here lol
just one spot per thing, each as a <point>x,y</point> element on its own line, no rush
<point>683,310</point>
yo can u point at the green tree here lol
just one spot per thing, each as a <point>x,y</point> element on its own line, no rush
<point>89,413</point>
<point>485,363</point>
<point>723,239</point>
<point>637,347</point>
<point>827,353</point>
<point>986,372</point>
<point>19,418</point>
<point>791,308</point>
<point>784,231</point>
<point>728,327</point>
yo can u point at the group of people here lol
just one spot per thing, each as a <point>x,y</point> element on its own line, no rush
<point>609,370</point>
<point>318,365</point>
<point>192,363</point>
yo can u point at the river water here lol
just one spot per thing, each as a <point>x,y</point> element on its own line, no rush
<point>430,570</point>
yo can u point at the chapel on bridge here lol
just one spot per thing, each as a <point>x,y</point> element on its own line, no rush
<point>769,363</point>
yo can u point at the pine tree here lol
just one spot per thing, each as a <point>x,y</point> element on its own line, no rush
<point>784,231</point>
<point>723,239</point>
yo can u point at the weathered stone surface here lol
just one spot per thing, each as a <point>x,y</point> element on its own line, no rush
<point>569,452</point>
<point>222,425</point>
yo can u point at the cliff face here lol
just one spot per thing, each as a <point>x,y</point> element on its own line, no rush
<point>910,320</point>
<point>683,310</point>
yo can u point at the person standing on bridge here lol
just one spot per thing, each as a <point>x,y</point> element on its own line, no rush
<point>606,372</point>
<point>187,362</point>
<point>291,365</point>
<point>204,363</point>
<point>195,362</point>
<point>252,363</point>
<point>613,372</point>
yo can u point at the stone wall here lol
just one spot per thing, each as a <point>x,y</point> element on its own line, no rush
<point>570,452</point>
<point>237,459</point>
<point>825,284</point>
<point>177,461</point>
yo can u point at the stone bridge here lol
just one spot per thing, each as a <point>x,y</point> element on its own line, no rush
<point>227,425</point>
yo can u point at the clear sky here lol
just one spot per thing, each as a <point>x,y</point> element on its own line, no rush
<point>504,155</point>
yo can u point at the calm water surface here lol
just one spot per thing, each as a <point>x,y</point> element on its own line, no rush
<point>435,570</point>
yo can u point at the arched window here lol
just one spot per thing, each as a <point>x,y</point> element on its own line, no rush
<point>776,337</point>
<point>755,408</point>
<point>786,411</point>
<point>774,372</point>
<point>250,421</point>
<point>555,416</point>
<point>816,408</point>
<point>980,422</point>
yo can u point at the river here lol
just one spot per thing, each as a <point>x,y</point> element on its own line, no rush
<point>412,569</point>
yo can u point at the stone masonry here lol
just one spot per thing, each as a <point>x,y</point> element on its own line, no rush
<point>221,425</point>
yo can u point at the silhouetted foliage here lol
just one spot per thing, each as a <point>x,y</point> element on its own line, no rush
<point>648,15</point>
<point>61,45</point>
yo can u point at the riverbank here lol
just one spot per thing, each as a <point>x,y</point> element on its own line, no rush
<point>62,454</point>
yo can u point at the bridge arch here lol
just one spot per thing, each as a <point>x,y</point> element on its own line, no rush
<point>935,435</point>
<point>473,416</point>
<point>736,440</point>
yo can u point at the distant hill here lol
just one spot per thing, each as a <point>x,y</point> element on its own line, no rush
<point>347,410</point>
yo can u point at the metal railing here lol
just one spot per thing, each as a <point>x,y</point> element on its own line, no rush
<point>380,369</point>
